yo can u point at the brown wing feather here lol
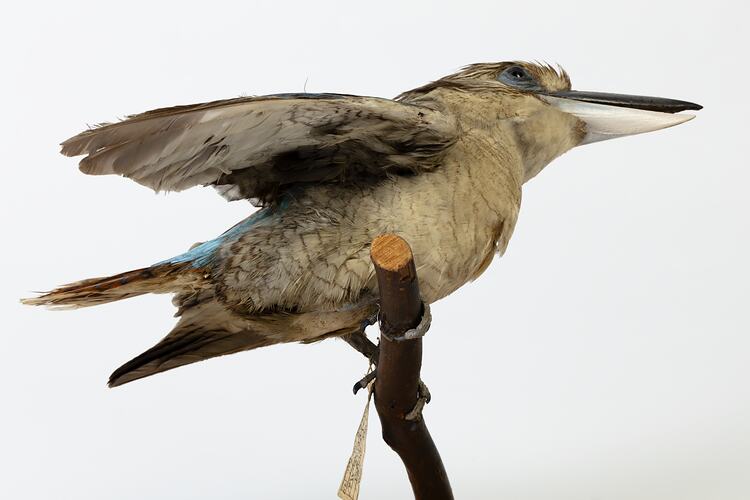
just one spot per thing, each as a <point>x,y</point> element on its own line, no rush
<point>255,147</point>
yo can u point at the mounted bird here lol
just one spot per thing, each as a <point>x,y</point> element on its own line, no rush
<point>442,166</point>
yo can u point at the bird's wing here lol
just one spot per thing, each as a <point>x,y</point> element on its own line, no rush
<point>253,147</point>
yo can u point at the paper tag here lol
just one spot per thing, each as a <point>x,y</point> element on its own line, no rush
<point>349,489</point>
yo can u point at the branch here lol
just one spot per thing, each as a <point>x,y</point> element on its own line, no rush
<point>399,366</point>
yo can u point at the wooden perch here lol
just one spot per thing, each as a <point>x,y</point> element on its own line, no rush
<point>398,371</point>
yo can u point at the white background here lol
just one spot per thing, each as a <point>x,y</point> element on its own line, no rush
<point>606,356</point>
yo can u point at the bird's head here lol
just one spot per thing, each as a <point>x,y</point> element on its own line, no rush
<point>535,103</point>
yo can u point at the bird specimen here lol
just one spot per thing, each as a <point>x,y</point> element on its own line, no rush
<point>441,165</point>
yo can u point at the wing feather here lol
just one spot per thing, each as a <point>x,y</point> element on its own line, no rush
<point>255,147</point>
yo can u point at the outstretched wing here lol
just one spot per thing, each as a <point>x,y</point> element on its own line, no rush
<point>254,147</point>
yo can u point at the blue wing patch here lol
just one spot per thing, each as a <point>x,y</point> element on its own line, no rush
<point>203,254</point>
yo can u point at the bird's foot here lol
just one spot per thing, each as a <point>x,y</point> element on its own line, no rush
<point>365,381</point>
<point>417,332</point>
<point>423,397</point>
<point>362,344</point>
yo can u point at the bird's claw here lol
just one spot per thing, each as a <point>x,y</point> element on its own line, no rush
<point>360,342</point>
<point>365,381</point>
<point>417,332</point>
<point>423,397</point>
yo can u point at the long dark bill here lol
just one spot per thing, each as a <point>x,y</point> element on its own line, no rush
<point>648,103</point>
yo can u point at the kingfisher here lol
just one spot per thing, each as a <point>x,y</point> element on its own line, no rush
<point>442,166</point>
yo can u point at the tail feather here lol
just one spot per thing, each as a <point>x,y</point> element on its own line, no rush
<point>193,346</point>
<point>206,329</point>
<point>91,292</point>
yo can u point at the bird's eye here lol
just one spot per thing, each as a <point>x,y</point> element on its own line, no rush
<point>517,76</point>
<point>517,73</point>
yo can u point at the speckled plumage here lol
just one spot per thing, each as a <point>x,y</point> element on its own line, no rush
<point>442,166</point>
